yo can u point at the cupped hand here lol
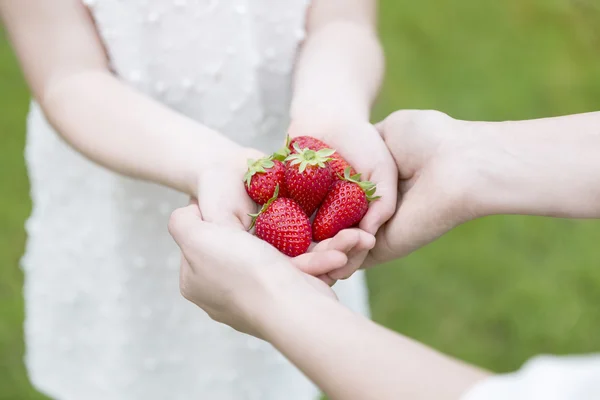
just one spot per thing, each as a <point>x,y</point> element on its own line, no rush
<point>222,200</point>
<point>436,157</point>
<point>221,194</point>
<point>362,146</point>
<point>237,287</point>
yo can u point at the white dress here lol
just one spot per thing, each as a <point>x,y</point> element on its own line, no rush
<point>104,317</point>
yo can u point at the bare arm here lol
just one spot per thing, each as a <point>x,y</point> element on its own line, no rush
<point>341,63</point>
<point>110,123</point>
<point>548,166</point>
<point>350,357</point>
<point>454,171</point>
<point>337,78</point>
<point>345,354</point>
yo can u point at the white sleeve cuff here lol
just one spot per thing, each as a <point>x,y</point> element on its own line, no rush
<point>544,378</point>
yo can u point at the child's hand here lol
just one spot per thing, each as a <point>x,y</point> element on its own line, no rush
<point>362,146</point>
<point>222,199</point>
<point>221,195</point>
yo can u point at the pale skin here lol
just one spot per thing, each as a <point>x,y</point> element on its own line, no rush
<point>261,293</point>
<point>452,171</point>
<point>127,132</point>
<point>338,75</point>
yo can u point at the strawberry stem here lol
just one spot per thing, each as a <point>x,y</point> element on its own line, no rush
<point>257,166</point>
<point>283,152</point>
<point>306,157</point>
<point>264,207</point>
<point>368,187</point>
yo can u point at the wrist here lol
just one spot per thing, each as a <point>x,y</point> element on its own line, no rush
<point>325,126</point>
<point>328,115</point>
<point>506,179</point>
<point>281,307</point>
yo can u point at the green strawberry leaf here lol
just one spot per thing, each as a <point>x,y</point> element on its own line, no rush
<point>264,208</point>
<point>306,157</point>
<point>283,152</point>
<point>326,153</point>
<point>368,187</point>
<point>257,166</point>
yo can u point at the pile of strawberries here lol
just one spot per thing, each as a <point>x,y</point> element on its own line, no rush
<point>305,177</point>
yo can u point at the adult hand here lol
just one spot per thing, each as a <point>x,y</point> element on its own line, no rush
<point>437,158</point>
<point>238,287</point>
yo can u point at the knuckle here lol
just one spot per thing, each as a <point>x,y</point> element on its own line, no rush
<point>174,221</point>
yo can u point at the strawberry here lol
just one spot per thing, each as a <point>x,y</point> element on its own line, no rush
<point>345,205</point>
<point>337,163</point>
<point>282,223</point>
<point>308,177</point>
<point>262,178</point>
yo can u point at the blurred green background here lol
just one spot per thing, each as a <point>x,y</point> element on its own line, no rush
<point>495,291</point>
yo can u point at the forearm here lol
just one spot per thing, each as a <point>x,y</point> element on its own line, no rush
<point>339,70</point>
<point>129,133</point>
<point>65,64</point>
<point>350,357</point>
<point>545,167</point>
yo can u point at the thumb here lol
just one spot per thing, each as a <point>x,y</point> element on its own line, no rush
<point>382,209</point>
<point>223,200</point>
<point>419,220</point>
<point>185,222</point>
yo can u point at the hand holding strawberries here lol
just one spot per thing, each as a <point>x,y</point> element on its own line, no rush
<point>223,200</point>
<point>236,287</point>
<point>359,144</point>
<point>305,176</point>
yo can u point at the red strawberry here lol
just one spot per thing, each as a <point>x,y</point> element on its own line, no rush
<point>282,223</point>
<point>345,205</point>
<point>337,163</point>
<point>262,178</point>
<point>308,177</point>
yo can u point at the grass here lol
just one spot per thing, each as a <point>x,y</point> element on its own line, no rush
<point>495,291</point>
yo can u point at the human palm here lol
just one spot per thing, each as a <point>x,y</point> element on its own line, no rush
<point>222,200</point>
<point>362,146</point>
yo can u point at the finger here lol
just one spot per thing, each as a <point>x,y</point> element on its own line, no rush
<point>228,205</point>
<point>354,242</point>
<point>325,278</point>
<point>183,221</point>
<point>382,209</point>
<point>419,220</point>
<point>321,262</point>
<point>344,241</point>
<point>356,257</point>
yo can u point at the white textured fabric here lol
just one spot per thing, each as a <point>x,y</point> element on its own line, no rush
<point>545,378</point>
<point>104,317</point>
